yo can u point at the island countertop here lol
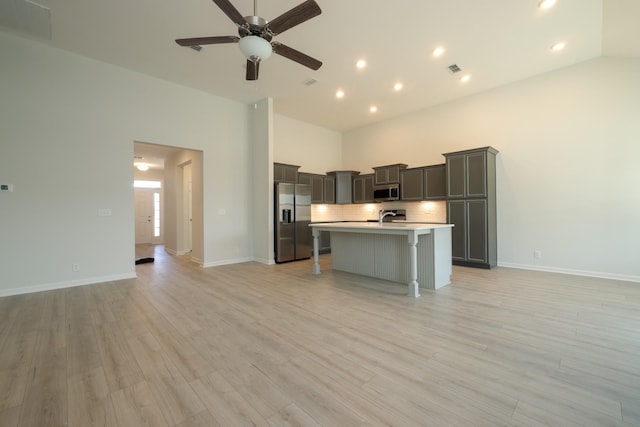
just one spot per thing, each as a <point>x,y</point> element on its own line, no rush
<point>375,227</point>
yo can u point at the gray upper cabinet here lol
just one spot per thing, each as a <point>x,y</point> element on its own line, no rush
<point>471,206</point>
<point>316,182</point>
<point>456,176</point>
<point>467,173</point>
<point>425,183</point>
<point>389,174</point>
<point>329,189</point>
<point>412,184</point>
<point>435,182</point>
<point>343,186</point>
<point>285,173</point>
<point>363,188</point>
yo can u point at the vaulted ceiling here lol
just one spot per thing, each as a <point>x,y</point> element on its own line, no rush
<point>495,42</point>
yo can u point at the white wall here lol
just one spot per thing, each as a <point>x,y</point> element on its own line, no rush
<point>262,140</point>
<point>315,149</point>
<point>67,126</point>
<point>568,174</point>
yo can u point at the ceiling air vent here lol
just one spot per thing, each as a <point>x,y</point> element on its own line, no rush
<point>454,68</point>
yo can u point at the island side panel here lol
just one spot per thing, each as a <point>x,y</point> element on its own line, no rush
<point>353,253</point>
<point>384,256</point>
<point>442,257</point>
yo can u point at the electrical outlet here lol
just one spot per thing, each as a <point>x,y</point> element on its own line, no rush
<point>537,254</point>
<point>75,267</point>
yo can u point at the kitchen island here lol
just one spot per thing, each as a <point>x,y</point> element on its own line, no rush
<point>416,254</point>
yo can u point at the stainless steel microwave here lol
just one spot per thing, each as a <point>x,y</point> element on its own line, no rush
<point>386,193</point>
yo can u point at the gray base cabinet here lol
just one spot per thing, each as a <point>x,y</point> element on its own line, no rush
<point>471,206</point>
<point>470,236</point>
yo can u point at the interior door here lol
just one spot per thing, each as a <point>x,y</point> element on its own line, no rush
<point>144,216</point>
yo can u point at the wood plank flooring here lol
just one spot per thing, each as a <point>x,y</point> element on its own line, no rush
<point>257,345</point>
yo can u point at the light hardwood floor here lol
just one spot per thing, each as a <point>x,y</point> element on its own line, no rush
<point>250,344</point>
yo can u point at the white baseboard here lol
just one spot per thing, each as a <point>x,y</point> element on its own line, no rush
<point>265,261</point>
<point>227,262</point>
<point>174,252</point>
<point>597,274</point>
<point>66,284</point>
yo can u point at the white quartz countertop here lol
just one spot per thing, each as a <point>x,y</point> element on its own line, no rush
<point>377,227</point>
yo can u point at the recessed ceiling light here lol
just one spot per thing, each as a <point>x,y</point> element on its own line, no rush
<point>397,86</point>
<point>558,46</point>
<point>546,4</point>
<point>361,64</point>
<point>438,51</point>
<point>465,78</point>
<point>340,93</point>
<point>142,167</point>
<point>373,109</point>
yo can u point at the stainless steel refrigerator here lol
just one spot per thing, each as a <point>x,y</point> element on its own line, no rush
<point>293,216</point>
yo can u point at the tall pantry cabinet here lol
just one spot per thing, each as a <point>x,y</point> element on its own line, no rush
<point>471,206</point>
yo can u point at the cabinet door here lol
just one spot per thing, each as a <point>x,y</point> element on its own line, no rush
<point>358,189</point>
<point>329,189</point>
<point>278,173</point>
<point>304,178</point>
<point>456,215</point>
<point>290,174</point>
<point>435,182</point>
<point>381,176</point>
<point>477,230</point>
<point>456,176</point>
<point>317,189</point>
<point>367,196</point>
<point>412,184</point>
<point>476,178</point>
<point>393,174</point>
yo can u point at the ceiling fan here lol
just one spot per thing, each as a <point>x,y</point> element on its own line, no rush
<point>255,34</point>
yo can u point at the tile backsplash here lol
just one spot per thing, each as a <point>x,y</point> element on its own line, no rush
<point>429,212</point>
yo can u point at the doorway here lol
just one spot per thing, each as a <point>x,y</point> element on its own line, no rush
<point>178,204</point>
<point>148,217</point>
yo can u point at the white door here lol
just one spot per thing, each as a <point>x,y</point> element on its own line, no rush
<point>144,216</point>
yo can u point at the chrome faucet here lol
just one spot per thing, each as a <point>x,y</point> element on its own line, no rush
<point>384,213</point>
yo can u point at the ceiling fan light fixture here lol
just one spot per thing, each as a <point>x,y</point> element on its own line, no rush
<point>255,47</point>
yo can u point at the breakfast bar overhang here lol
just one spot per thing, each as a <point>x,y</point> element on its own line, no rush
<point>416,254</point>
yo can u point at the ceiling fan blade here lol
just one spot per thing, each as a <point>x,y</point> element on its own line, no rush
<point>252,69</point>
<point>297,15</point>
<point>295,55</point>
<point>230,11</point>
<point>197,41</point>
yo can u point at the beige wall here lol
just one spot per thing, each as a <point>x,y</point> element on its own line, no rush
<point>313,148</point>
